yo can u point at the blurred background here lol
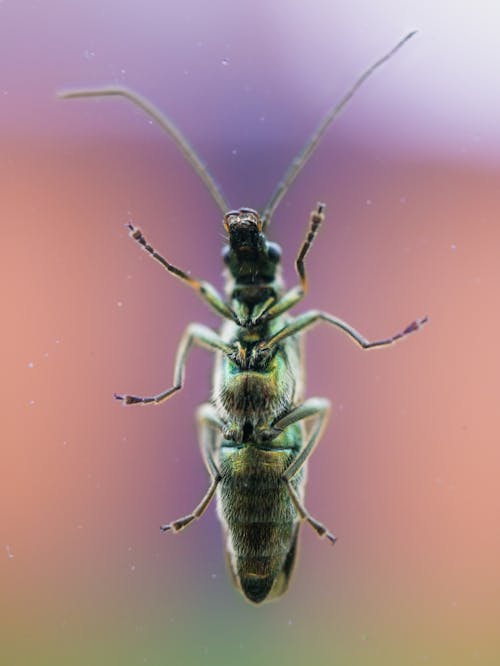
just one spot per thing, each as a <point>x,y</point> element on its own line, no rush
<point>407,472</point>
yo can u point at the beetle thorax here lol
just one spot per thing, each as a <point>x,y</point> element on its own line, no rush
<point>253,272</point>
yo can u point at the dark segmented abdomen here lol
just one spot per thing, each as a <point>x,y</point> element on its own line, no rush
<point>256,509</point>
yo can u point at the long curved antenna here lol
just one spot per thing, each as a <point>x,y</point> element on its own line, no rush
<point>164,122</point>
<point>300,160</point>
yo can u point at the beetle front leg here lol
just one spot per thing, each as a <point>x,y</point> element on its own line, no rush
<point>205,290</point>
<point>296,294</point>
<point>195,334</point>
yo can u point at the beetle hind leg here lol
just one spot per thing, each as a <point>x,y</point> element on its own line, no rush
<point>316,408</point>
<point>304,514</point>
<point>209,430</point>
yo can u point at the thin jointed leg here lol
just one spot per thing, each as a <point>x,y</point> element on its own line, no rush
<point>312,407</point>
<point>310,319</point>
<point>315,220</point>
<point>296,294</point>
<point>318,527</point>
<point>195,334</point>
<point>207,292</point>
<point>181,523</point>
<point>208,432</point>
<point>316,408</point>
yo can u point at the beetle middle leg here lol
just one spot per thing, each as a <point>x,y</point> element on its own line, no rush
<point>317,408</point>
<point>209,429</point>
<point>195,334</point>
<point>310,319</point>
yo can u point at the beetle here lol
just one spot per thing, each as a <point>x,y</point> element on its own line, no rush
<point>252,433</point>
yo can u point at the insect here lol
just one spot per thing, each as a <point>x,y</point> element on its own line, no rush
<point>252,432</point>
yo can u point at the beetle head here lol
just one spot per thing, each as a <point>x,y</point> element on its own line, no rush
<point>248,252</point>
<point>244,227</point>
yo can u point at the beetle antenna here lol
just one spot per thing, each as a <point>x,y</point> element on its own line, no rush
<point>166,124</point>
<point>301,159</point>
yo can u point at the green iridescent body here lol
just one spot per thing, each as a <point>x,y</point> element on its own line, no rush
<point>260,521</point>
<point>254,505</point>
<point>253,435</point>
<point>256,396</point>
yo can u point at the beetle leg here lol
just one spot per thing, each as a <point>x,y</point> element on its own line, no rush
<point>316,218</point>
<point>310,319</point>
<point>321,530</point>
<point>318,409</point>
<point>313,407</point>
<point>207,292</point>
<point>296,294</point>
<point>209,429</point>
<point>181,523</point>
<point>195,334</point>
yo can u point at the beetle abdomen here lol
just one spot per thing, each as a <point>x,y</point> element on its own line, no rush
<point>259,518</point>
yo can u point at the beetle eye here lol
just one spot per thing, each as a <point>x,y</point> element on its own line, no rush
<point>225,254</point>
<point>274,252</point>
